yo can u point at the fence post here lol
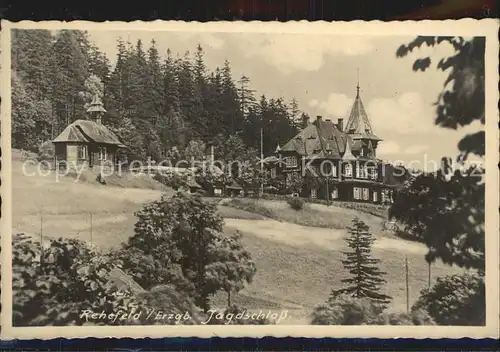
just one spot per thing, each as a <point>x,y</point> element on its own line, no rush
<point>90,228</point>
<point>407,286</point>
<point>41,239</point>
<point>429,279</point>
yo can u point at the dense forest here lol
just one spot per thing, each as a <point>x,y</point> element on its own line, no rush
<point>156,103</point>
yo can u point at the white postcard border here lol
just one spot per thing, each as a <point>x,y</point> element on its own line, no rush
<point>465,27</point>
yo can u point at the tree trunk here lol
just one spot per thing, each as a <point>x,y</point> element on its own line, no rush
<point>228,298</point>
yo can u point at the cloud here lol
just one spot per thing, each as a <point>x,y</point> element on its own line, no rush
<point>336,105</point>
<point>211,41</point>
<point>392,148</point>
<point>406,113</point>
<point>388,148</point>
<point>300,52</point>
<point>313,103</point>
<point>415,149</point>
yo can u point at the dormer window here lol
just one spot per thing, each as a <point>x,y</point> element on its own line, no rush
<point>291,161</point>
<point>348,170</point>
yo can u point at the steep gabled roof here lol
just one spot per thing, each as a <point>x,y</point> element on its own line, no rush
<point>322,139</point>
<point>87,131</point>
<point>305,142</point>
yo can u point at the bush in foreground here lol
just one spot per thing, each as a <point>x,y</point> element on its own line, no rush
<point>455,300</point>
<point>68,280</point>
<point>296,203</point>
<point>349,310</point>
<point>179,241</point>
<point>55,285</point>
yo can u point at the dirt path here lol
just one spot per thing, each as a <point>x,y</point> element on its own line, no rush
<point>297,235</point>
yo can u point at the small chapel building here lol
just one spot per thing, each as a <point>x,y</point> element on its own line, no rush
<point>88,142</point>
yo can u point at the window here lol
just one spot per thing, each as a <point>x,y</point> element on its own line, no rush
<point>82,152</point>
<point>366,194</point>
<point>273,172</point>
<point>373,173</point>
<point>334,171</point>
<point>348,170</point>
<point>314,193</point>
<point>291,161</point>
<point>335,193</point>
<point>375,196</point>
<point>103,155</point>
<point>355,192</point>
<point>361,171</point>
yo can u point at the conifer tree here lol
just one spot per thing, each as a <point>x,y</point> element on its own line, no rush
<point>246,95</point>
<point>366,278</point>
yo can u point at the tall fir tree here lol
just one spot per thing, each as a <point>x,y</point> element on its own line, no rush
<point>231,114</point>
<point>246,95</point>
<point>366,278</point>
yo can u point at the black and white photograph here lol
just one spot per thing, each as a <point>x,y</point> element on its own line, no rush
<point>270,176</point>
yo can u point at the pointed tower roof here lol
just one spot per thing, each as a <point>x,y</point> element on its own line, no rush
<point>96,105</point>
<point>278,148</point>
<point>358,121</point>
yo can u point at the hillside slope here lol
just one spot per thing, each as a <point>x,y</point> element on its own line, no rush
<point>297,265</point>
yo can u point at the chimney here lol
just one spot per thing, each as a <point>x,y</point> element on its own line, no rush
<point>305,120</point>
<point>328,120</point>
<point>340,125</point>
<point>319,118</point>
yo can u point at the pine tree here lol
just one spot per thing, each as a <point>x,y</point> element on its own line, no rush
<point>231,114</point>
<point>294,112</point>
<point>213,104</point>
<point>366,278</point>
<point>154,95</point>
<point>246,95</point>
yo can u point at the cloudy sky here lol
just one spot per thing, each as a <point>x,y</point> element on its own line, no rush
<point>321,73</point>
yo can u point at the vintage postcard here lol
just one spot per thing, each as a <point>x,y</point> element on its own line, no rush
<point>170,179</point>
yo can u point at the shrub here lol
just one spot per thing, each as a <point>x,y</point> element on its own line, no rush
<point>179,241</point>
<point>55,285</point>
<point>455,300</point>
<point>296,203</point>
<point>347,310</point>
<point>58,285</point>
<point>46,151</point>
<point>100,179</point>
<point>181,309</point>
<point>173,180</point>
<point>415,317</point>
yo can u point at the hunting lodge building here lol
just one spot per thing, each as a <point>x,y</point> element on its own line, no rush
<point>340,162</point>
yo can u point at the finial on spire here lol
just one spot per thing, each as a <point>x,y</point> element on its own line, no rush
<point>357,87</point>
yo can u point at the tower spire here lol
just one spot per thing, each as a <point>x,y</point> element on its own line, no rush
<point>357,87</point>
